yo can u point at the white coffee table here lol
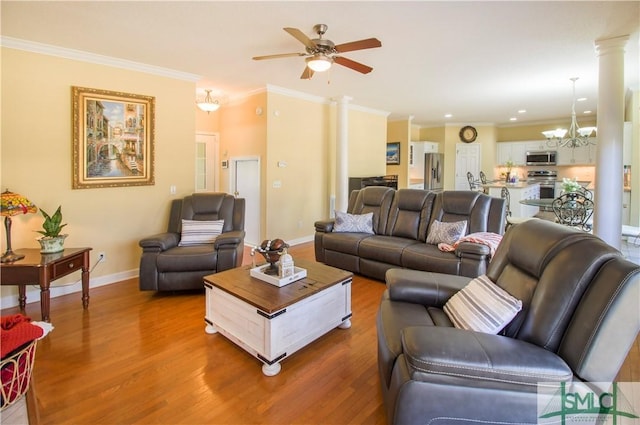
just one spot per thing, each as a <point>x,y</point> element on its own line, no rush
<point>271,323</point>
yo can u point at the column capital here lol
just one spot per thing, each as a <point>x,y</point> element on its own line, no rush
<point>342,99</point>
<point>607,45</point>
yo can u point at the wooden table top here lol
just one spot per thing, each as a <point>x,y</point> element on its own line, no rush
<point>33,257</point>
<point>270,298</point>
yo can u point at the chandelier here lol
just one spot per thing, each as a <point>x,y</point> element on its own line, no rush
<point>208,104</point>
<point>577,136</point>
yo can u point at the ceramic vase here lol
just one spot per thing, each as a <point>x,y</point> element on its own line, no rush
<point>49,245</point>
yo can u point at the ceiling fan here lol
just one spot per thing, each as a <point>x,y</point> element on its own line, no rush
<point>321,53</point>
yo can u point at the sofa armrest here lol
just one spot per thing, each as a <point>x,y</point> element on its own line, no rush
<point>419,287</point>
<point>462,354</point>
<point>324,226</point>
<point>234,237</point>
<point>472,248</point>
<point>160,242</point>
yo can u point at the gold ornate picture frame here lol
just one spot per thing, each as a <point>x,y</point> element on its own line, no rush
<point>113,138</point>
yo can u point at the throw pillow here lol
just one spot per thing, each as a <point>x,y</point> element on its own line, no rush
<point>448,233</point>
<point>482,306</point>
<point>345,222</point>
<point>198,232</point>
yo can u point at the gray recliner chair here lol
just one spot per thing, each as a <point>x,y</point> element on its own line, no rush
<point>166,266</point>
<point>578,321</point>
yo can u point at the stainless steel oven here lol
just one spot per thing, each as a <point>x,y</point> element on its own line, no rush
<point>546,179</point>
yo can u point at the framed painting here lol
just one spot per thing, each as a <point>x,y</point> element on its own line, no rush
<point>393,153</point>
<point>113,138</point>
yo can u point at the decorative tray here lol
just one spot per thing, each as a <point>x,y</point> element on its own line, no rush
<point>258,273</point>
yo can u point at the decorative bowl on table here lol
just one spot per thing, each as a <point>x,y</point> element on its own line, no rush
<point>271,250</point>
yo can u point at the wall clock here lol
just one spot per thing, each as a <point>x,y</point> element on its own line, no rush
<point>468,134</point>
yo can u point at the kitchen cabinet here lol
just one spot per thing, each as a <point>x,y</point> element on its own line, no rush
<point>582,155</point>
<point>431,147</point>
<point>511,151</point>
<point>537,145</point>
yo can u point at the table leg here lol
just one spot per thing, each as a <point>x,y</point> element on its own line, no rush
<point>272,369</point>
<point>85,280</point>
<point>22,296</point>
<point>45,302</point>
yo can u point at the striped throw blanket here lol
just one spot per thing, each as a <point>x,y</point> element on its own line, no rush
<point>492,240</point>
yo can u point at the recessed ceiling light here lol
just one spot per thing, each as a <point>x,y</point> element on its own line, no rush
<point>588,112</point>
<point>581,99</point>
<point>448,115</point>
<point>522,111</point>
<point>513,119</point>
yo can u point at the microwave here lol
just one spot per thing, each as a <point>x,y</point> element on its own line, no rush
<point>541,158</point>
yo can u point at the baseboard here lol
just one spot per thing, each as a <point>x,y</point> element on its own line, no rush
<point>33,291</point>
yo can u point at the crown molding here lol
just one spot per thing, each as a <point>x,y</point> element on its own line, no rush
<point>296,94</point>
<point>367,110</point>
<point>63,52</point>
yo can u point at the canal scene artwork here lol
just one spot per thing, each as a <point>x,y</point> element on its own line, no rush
<point>113,138</point>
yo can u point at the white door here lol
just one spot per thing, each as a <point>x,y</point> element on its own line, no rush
<point>467,160</point>
<point>207,146</point>
<point>245,183</point>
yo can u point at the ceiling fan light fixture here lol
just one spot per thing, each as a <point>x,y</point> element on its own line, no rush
<point>319,62</point>
<point>208,104</point>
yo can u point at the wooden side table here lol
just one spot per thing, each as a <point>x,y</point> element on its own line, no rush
<point>42,269</point>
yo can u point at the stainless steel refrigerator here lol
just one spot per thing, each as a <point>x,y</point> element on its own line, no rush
<point>433,171</point>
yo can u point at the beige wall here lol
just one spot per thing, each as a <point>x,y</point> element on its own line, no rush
<point>534,131</point>
<point>297,135</point>
<point>37,149</point>
<point>300,132</point>
<point>243,133</point>
<point>207,122</point>
<point>367,144</point>
<point>400,131</point>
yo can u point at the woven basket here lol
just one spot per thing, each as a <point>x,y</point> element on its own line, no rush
<point>15,371</point>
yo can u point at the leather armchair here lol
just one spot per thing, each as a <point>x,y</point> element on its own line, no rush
<point>165,266</point>
<point>579,319</point>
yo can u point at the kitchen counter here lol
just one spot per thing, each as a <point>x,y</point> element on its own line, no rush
<point>519,185</point>
<point>518,192</point>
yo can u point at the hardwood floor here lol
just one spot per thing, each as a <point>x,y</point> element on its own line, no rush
<point>143,357</point>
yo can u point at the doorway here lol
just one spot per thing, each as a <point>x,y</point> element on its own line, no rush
<point>244,182</point>
<point>207,146</point>
<point>467,160</point>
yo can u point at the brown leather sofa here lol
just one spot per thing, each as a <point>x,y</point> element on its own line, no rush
<point>402,220</point>
<point>166,266</point>
<point>579,319</point>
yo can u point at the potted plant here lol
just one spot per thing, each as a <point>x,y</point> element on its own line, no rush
<point>569,185</point>
<point>509,165</point>
<point>51,240</point>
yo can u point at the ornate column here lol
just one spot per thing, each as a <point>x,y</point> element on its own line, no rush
<point>607,216</point>
<point>342,153</point>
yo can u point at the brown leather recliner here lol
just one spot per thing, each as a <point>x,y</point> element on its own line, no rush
<point>165,266</point>
<point>579,318</point>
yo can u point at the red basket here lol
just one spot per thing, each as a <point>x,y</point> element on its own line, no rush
<point>15,371</point>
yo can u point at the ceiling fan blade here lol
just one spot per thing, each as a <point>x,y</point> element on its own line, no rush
<point>301,37</point>
<point>356,66</point>
<point>368,43</point>
<point>307,73</point>
<point>281,55</point>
